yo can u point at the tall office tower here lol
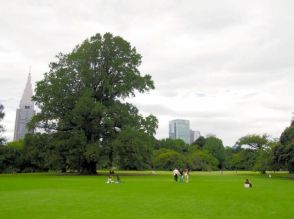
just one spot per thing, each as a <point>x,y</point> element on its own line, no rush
<point>194,135</point>
<point>180,129</point>
<point>25,111</point>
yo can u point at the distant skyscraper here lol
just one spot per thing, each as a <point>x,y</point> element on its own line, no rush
<point>194,135</point>
<point>25,111</point>
<point>180,129</point>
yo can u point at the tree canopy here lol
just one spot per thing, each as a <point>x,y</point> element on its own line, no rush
<point>173,144</point>
<point>200,141</point>
<point>215,146</point>
<point>85,92</point>
<point>254,141</point>
<point>284,152</point>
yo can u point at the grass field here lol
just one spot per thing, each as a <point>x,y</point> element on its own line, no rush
<point>208,195</point>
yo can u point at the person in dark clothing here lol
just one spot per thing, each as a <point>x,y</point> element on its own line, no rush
<point>176,173</point>
<point>181,175</point>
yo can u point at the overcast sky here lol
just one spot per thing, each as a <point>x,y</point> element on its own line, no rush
<point>227,66</point>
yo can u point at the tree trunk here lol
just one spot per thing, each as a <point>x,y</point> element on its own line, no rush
<point>262,171</point>
<point>291,167</point>
<point>110,158</point>
<point>88,168</point>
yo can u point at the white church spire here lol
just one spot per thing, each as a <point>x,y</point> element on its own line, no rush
<point>25,112</point>
<point>26,100</point>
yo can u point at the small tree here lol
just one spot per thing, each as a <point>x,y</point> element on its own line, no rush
<point>167,159</point>
<point>201,160</point>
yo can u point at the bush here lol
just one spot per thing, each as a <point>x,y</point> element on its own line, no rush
<point>10,160</point>
<point>166,159</point>
<point>201,160</point>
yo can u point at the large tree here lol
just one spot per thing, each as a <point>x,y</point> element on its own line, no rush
<point>284,152</point>
<point>260,144</point>
<point>85,92</point>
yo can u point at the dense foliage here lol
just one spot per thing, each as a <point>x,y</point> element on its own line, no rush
<point>283,153</point>
<point>134,150</point>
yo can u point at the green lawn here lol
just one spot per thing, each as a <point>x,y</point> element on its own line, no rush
<point>208,195</point>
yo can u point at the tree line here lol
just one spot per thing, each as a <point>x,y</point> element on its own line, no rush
<point>136,150</point>
<point>85,122</point>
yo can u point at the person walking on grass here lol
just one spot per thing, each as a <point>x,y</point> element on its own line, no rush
<point>176,173</point>
<point>181,176</point>
<point>186,174</point>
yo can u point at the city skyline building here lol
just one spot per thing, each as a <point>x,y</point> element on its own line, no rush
<point>180,129</point>
<point>25,111</point>
<point>194,135</point>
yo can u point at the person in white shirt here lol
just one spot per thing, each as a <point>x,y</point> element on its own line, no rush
<point>186,174</point>
<point>109,179</point>
<point>247,184</point>
<point>176,173</point>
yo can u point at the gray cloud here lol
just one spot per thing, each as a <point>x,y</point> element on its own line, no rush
<point>225,65</point>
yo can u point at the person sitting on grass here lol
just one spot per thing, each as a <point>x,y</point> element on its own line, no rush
<point>109,179</point>
<point>247,184</point>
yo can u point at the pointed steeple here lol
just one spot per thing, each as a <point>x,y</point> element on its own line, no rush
<point>26,100</point>
<point>25,112</point>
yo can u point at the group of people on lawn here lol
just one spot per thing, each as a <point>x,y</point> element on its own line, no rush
<point>181,174</point>
<point>111,176</point>
<point>184,175</point>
